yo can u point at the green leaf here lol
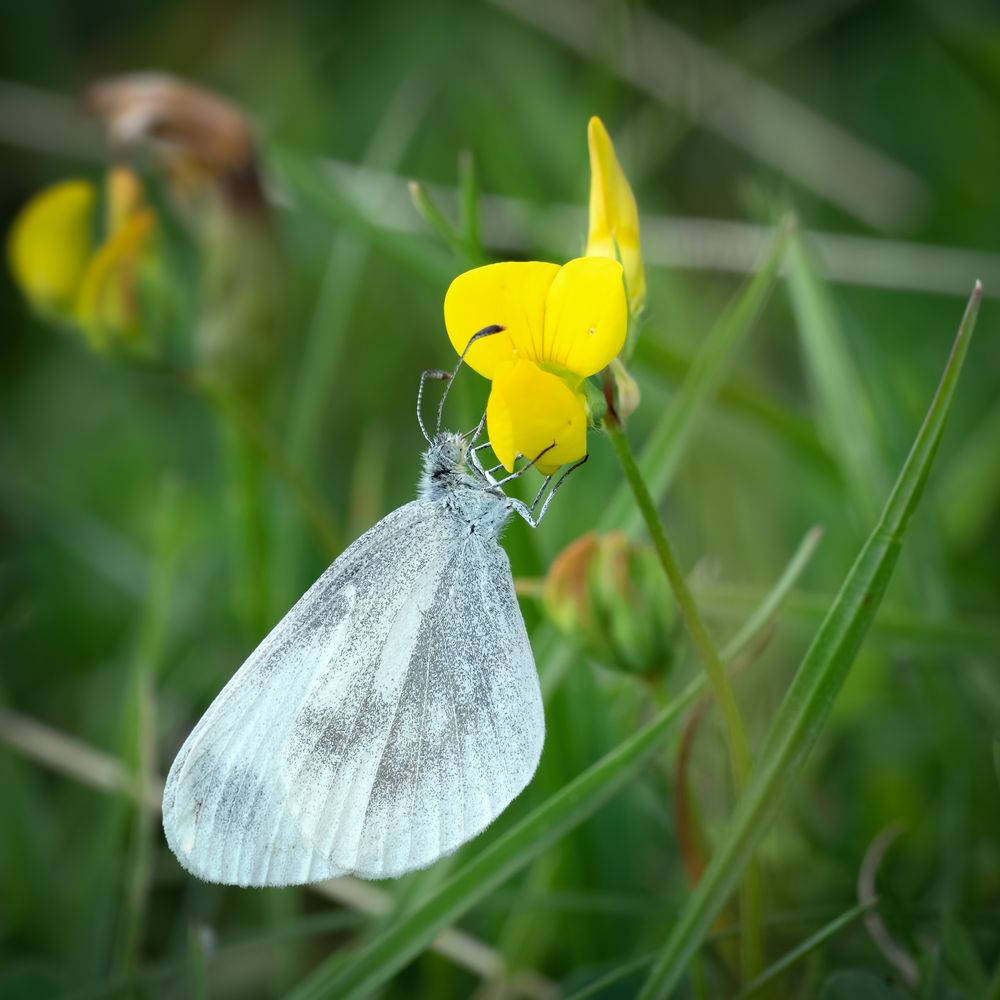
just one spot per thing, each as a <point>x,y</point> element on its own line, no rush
<point>812,692</point>
<point>409,934</point>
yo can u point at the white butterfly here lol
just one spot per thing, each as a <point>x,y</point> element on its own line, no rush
<point>389,717</point>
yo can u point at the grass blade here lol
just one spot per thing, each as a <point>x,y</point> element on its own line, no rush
<point>799,952</point>
<point>844,411</point>
<point>772,601</point>
<point>312,188</point>
<point>404,938</point>
<point>815,686</point>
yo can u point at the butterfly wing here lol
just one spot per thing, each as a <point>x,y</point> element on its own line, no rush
<point>389,717</point>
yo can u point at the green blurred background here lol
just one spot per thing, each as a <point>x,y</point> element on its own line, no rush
<point>126,600</point>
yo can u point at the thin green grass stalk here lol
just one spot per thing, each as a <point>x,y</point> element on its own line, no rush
<point>434,217</point>
<point>969,492</point>
<point>468,188</point>
<point>174,972</point>
<point>807,704</point>
<point>148,655</point>
<point>330,323</point>
<point>245,494</point>
<point>993,993</point>
<point>844,410</point>
<point>751,908</point>
<point>804,610</point>
<point>331,318</point>
<point>313,188</point>
<point>407,936</point>
<point>659,358</point>
<point>811,943</point>
<point>774,598</point>
<point>614,976</point>
<point>197,977</point>
<point>312,506</point>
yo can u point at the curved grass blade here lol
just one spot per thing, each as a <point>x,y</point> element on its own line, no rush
<point>799,952</point>
<point>404,938</point>
<point>811,695</point>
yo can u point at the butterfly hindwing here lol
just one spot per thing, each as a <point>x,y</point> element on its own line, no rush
<point>388,718</point>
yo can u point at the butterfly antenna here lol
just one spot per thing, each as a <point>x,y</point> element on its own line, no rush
<point>473,435</point>
<point>434,373</point>
<point>487,331</point>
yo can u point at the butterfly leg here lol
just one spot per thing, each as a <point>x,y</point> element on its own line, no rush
<point>541,490</point>
<point>524,468</point>
<point>528,513</point>
<point>558,483</point>
<point>478,465</point>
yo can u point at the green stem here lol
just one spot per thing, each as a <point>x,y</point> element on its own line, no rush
<point>427,207</point>
<point>262,437</point>
<point>245,488</point>
<point>751,948</point>
<point>148,654</point>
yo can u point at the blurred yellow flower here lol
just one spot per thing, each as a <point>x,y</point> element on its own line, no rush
<point>614,216</point>
<point>62,271</point>
<point>50,245</point>
<point>561,325</point>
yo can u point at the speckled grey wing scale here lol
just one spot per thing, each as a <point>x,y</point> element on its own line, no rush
<point>388,718</point>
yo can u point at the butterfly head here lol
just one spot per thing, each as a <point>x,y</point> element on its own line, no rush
<point>447,477</point>
<point>445,467</point>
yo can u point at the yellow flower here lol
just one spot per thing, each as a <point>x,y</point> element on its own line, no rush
<point>561,325</point>
<point>614,216</point>
<point>65,274</point>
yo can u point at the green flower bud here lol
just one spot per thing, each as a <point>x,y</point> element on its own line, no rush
<point>608,595</point>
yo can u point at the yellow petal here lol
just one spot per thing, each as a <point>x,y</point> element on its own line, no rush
<point>614,216</point>
<point>512,295</point>
<point>528,411</point>
<point>124,197</point>
<point>50,243</point>
<point>108,301</point>
<point>586,316</point>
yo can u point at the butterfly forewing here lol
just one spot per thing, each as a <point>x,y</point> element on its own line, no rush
<point>388,718</point>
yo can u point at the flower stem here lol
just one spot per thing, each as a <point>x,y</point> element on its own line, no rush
<point>245,500</point>
<point>751,948</point>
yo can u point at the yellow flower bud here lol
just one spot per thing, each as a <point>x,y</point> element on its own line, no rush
<point>614,216</point>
